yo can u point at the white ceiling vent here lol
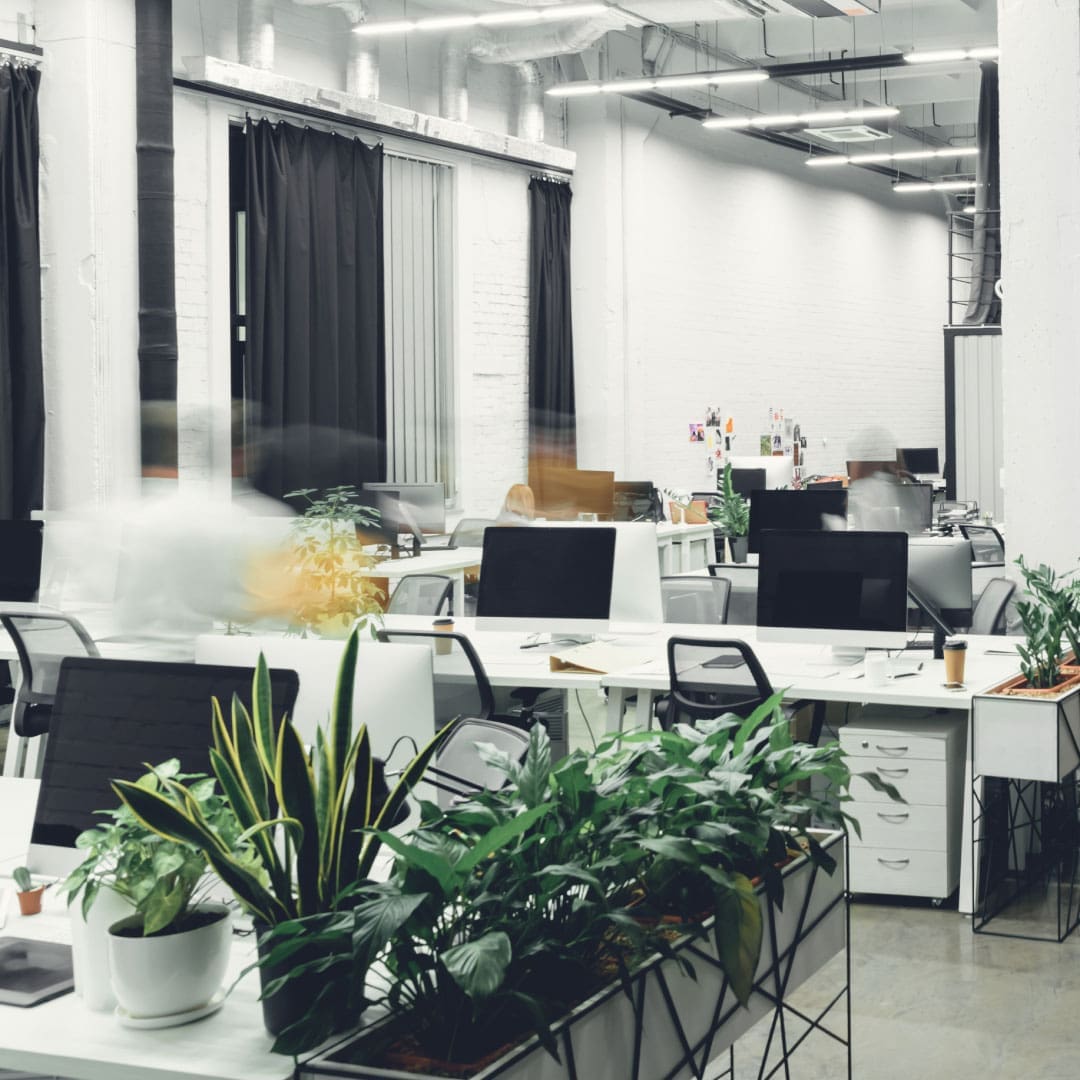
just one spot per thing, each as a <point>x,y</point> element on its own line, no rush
<point>823,9</point>
<point>849,133</point>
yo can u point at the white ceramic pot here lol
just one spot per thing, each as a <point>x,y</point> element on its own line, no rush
<point>90,947</point>
<point>171,974</point>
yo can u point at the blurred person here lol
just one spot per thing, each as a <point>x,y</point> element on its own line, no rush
<point>519,506</point>
<point>875,501</point>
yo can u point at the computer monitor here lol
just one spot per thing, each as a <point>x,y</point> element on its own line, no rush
<point>426,503</point>
<point>860,470</point>
<point>394,518</point>
<point>847,589</point>
<point>915,504</point>
<point>939,578</point>
<point>919,462</point>
<point>745,482</point>
<point>795,510</point>
<point>20,561</point>
<point>635,583</point>
<point>778,468</point>
<point>635,500</point>
<point>110,718</point>
<point>547,579</point>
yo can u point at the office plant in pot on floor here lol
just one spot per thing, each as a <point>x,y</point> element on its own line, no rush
<point>167,957</point>
<point>732,519</point>
<point>314,822</point>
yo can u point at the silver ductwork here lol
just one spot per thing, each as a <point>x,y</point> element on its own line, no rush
<point>362,67</point>
<point>255,33</point>
<point>454,78</point>
<point>513,46</point>
<point>530,105</point>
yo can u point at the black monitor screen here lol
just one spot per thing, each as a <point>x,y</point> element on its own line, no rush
<point>20,561</point>
<point>922,460</point>
<point>916,505</point>
<point>745,481</point>
<point>537,572</point>
<point>798,510</point>
<point>425,503</point>
<point>112,717</point>
<point>833,580</point>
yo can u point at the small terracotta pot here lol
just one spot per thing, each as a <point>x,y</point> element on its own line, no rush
<point>30,901</point>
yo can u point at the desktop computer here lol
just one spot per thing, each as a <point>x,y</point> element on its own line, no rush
<point>795,510</point>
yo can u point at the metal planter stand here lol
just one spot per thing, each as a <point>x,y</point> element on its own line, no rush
<point>683,1027</point>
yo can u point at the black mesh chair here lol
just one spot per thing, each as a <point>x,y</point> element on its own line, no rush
<point>460,771</point>
<point>742,600</point>
<point>989,614</point>
<point>422,594</point>
<point>469,532</point>
<point>695,599</point>
<point>987,544</point>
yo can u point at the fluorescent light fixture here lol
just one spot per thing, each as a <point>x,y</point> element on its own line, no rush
<point>661,82</point>
<point>969,210</point>
<point>827,160</point>
<point>833,116</point>
<point>493,18</point>
<point>912,186</point>
<point>941,56</point>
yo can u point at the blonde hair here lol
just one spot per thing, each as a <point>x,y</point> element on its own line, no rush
<point>520,500</point>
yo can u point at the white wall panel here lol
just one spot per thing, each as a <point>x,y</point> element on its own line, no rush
<point>980,437</point>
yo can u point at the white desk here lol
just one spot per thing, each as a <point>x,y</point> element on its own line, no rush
<point>453,562</point>
<point>63,1038</point>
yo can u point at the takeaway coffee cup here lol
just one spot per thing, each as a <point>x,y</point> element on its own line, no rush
<point>955,654</point>
<point>443,626</point>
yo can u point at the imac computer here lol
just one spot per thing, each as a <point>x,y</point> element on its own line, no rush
<point>745,482</point>
<point>919,462</point>
<point>636,501</point>
<point>20,561</point>
<point>939,583</point>
<point>845,589</point>
<point>802,511</point>
<point>395,517</point>
<point>547,579</point>
<point>778,469</point>
<point>426,503</point>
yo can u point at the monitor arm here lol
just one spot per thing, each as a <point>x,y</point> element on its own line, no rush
<point>942,629</point>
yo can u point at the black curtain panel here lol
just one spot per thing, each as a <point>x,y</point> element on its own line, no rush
<point>552,411</point>
<point>983,304</point>
<point>22,398</point>
<point>315,321</point>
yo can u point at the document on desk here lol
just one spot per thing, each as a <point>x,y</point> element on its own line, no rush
<point>600,658</point>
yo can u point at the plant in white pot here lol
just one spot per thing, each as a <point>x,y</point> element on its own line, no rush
<point>166,945</point>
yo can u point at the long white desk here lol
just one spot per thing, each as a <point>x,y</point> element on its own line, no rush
<point>452,562</point>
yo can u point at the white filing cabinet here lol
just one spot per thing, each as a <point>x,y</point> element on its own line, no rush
<point>910,848</point>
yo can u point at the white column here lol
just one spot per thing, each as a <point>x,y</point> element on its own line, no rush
<point>88,249</point>
<point>1040,170</point>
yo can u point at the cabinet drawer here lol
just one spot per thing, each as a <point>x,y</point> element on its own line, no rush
<point>890,744</point>
<point>904,873</point>
<point>893,825</point>
<point>919,782</point>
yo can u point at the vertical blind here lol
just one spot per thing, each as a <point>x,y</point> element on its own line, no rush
<point>418,238</point>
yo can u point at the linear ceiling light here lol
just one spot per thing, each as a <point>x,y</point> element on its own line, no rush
<point>661,82</point>
<point>800,119</point>
<point>493,18</point>
<point>940,56</point>
<point>913,186</point>
<point>825,160</point>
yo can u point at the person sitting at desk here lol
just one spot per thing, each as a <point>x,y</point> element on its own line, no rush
<point>519,506</point>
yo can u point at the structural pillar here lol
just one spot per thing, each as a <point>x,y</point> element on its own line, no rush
<point>1040,197</point>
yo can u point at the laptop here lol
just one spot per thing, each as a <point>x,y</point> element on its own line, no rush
<point>110,717</point>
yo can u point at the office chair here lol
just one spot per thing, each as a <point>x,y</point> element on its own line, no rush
<point>469,532</point>
<point>460,771</point>
<point>695,599</point>
<point>742,600</point>
<point>422,594</point>
<point>988,616</point>
<point>987,544</point>
<point>710,678</point>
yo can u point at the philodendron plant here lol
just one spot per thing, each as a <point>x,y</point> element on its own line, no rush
<point>732,516</point>
<point>1049,613</point>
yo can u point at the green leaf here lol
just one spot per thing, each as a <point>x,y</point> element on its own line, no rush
<point>738,935</point>
<point>377,920</point>
<point>295,788</point>
<point>262,719</point>
<point>501,835</point>
<point>479,967</point>
<point>535,771</point>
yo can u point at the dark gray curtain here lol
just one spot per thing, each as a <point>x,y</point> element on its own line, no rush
<point>315,321</point>
<point>22,400</point>
<point>983,305</point>
<point>552,411</point>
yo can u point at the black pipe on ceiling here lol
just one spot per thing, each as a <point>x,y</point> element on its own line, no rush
<point>155,201</point>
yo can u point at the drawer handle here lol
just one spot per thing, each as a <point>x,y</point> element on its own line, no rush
<point>894,864</point>
<point>897,750</point>
<point>894,772</point>
<point>894,819</point>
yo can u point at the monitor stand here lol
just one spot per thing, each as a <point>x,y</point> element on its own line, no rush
<point>832,656</point>
<point>546,641</point>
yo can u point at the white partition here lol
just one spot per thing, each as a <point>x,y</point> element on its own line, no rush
<point>977,418</point>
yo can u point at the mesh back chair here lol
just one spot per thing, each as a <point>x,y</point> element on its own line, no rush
<point>469,532</point>
<point>460,770</point>
<point>695,599</point>
<point>421,594</point>
<point>742,601</point>
<point>987,544</point>
<point>989,614</point>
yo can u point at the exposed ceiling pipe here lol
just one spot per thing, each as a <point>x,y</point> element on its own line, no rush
<point>454,78</point>
<point>511,47</point>
<point>362,66</point>
<point>530,106</point>
<point>255,33</point>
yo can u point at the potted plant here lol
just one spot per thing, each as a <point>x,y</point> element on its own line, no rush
<point>171,925</point>
<point>540,916</point>
<point>731,516</point>
<point>313,822</point>
<point>1028,727</point>
<point>29,894</point>
<point>330,563</point>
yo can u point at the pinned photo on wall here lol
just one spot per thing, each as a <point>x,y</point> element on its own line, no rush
<point>713,417</point>
<point>778,443</point>
<point>697,432</point>
<point>766,446</point>
<point>710,464</point>
<point>714,439</point>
